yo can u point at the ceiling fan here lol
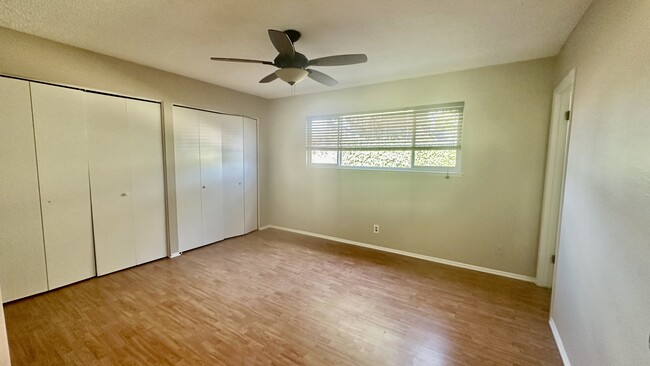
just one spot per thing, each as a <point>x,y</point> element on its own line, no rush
<point>293,66</point>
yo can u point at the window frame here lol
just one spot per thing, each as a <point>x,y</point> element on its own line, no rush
<point>447,171</point>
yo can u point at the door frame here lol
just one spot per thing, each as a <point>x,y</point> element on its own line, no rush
<point>553,188</point>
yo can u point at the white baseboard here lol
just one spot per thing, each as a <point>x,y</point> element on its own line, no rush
<point>174,255</point>
<point>558,342</point>
<point>408,254</point>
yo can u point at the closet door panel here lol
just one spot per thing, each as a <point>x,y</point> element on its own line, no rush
<point>250,174</point>
<point>110,179</point>
<point>211,177</point>
<point>188,178</point>
<point>22,255</point>
<point>60,132</point>
<point>147,180</point>
<point>233,174</point>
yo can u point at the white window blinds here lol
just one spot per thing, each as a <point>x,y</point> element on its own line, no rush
<point>436,127</point>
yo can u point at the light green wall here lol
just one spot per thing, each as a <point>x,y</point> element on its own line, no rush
<point>488,217</point>
<point>36,58</point>
<point>601,299</point>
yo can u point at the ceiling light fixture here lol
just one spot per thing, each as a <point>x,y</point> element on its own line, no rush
<point>292,75</point>
<point>293,66</point>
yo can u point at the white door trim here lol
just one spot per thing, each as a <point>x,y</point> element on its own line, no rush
<point>554,188</point>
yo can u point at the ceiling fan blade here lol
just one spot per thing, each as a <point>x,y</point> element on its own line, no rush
<point>268,78</point>
<point>282,43</point>
<point>339,60</point>
<point>241,60</point>
<point>322,78</point>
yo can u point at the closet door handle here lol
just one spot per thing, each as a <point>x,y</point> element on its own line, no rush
<point>203,187</point>
<point>239,184</point>
<point>124,194</point>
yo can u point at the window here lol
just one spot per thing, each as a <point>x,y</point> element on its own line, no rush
<point>421,138</point>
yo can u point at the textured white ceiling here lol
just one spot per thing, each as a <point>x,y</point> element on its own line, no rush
<point>403,39</point>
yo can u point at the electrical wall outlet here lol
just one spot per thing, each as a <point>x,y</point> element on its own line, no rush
<point>375,229</point>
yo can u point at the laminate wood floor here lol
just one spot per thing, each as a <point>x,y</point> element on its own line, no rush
<point>278,298</point>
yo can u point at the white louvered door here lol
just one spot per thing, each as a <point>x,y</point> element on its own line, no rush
<point>22,253</point>
<point>60,132</point>
<point>233,174</point>
<point>250,174</point>
<point>188,178</point>
<point>211,178</point>
<point>110,177</point>
<point>147,180</point>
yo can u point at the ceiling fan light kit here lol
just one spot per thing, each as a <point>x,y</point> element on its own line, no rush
<point>292,75</point>
<point>293,67</point>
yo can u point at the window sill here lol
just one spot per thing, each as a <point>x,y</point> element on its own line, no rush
<point>389,170</point>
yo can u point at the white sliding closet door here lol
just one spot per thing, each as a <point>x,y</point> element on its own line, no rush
<point>188,178</point>
<point>216,176</point>
<point>110,176</point>
<point>60,132</point>
<point>22,255</point>
<point>211,177</point>
<point>233,174</point>
<point>147,180</point>
<point>250,174</point>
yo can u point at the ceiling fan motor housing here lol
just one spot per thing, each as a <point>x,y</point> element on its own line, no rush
<point>298,61</point>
